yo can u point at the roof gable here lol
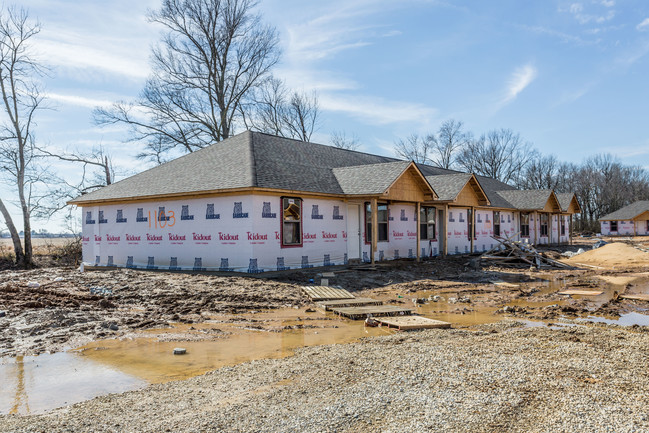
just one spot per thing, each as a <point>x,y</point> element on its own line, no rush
<point>568,202</point>
<point>462,187</point>
<point>374,179</point>
<point>539,200</point>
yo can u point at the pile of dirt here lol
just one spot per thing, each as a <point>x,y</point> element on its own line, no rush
<point>613,255</point>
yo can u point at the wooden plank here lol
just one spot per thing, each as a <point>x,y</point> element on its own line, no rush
<point>356,302</point>
<point>581,292</point>
<point>326,293</point>
<point>504,284</point>
<point>371,310</point>
<point>636,297</point>
<point>412,322</point>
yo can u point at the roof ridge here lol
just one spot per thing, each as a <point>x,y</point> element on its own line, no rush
<point>253,161</point>
<point>324,145</point>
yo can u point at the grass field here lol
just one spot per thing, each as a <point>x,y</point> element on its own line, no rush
<point>39,245</point>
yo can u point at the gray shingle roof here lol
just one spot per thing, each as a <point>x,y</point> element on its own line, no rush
<point>448,186</point>
<point>369,178</point>
<point>565,198</point>
<point>249,159</point>
<point>225,165</point>
<point>526,199</point>
<point>627,212</point>
<point>254,159</point>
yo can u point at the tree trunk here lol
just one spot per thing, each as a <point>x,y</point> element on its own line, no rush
<point>15,237</point>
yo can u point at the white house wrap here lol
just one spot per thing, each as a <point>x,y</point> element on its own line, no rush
<point>257,203</point>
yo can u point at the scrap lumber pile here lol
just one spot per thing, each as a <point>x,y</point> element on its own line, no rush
<point>509,251</point>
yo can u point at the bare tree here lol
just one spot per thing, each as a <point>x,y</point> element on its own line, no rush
<point>501,154</point>
<point>340,140</point>
<point>416,148</point>
<point>302,115</point>
<point>21,98</point>
<point>542,172</point>
<point>451,137</point>
<point>213,54</point>
<point>97,159</point>
<point>274,110</point>
<point>265,111</point>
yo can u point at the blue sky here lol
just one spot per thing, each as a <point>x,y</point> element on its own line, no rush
<point>569,76</point>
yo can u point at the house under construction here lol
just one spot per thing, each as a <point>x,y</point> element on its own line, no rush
<point>257,202</point>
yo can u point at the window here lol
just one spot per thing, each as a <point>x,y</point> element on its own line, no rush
<point>544,224</point>
<point>496,223</point>
<point>613,226</point>
<point>469,222</point>
<point>525,225</point>
<point>563,225</point>
<point>382,219</point>
<point>427,223</point>
<point>291,221</point>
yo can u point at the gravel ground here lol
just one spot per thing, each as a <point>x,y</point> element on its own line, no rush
<point>500,378</point>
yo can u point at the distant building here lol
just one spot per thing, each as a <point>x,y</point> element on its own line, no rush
<point>629,221</point>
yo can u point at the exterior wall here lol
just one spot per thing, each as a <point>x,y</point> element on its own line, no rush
<point>402,236</point>
<point>566,236</point>
<point>624,228</point>
<point>509,223</point>
<point>555,230</point>
<point>324,235</point>
<point>458,231</point>
<point>542,240</point>
<point>484,229</point>
<point>243,235</point>
<point>191,241</point>
<point>641,227</point>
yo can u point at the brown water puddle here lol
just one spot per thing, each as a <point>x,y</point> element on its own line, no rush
<point>153,360</point>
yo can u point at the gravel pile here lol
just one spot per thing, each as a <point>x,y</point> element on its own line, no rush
<point>501,378</point>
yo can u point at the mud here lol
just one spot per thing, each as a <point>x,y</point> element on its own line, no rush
<point>70,309</point>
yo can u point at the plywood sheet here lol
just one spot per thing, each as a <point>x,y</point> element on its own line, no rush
<point>636,297</point>
<point>326,293</point>
<point>581,292</point>
<point>412,322</point>
<point>356,302</point>
<point>371,310</point>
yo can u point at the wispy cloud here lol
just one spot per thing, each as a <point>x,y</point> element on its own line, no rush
<point>377,110</point>
<point>517,82</point>
<point>96,41</point>
<point>575,94</point>
<point>578,11</point>
<point>643,26</point>
<point>79,101</point>
<point>563,36</point>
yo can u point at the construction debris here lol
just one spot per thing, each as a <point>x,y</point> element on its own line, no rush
<point>510,252</point>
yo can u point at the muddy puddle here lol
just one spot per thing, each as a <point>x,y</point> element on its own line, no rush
<point>40,383</point>
<point>34,384</point>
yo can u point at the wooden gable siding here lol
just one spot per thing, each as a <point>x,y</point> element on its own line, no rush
<point>552,205</point>
<point>642,217</point>
<point>467,197</point>
<point>574,207</point>
<point>408,188</point>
